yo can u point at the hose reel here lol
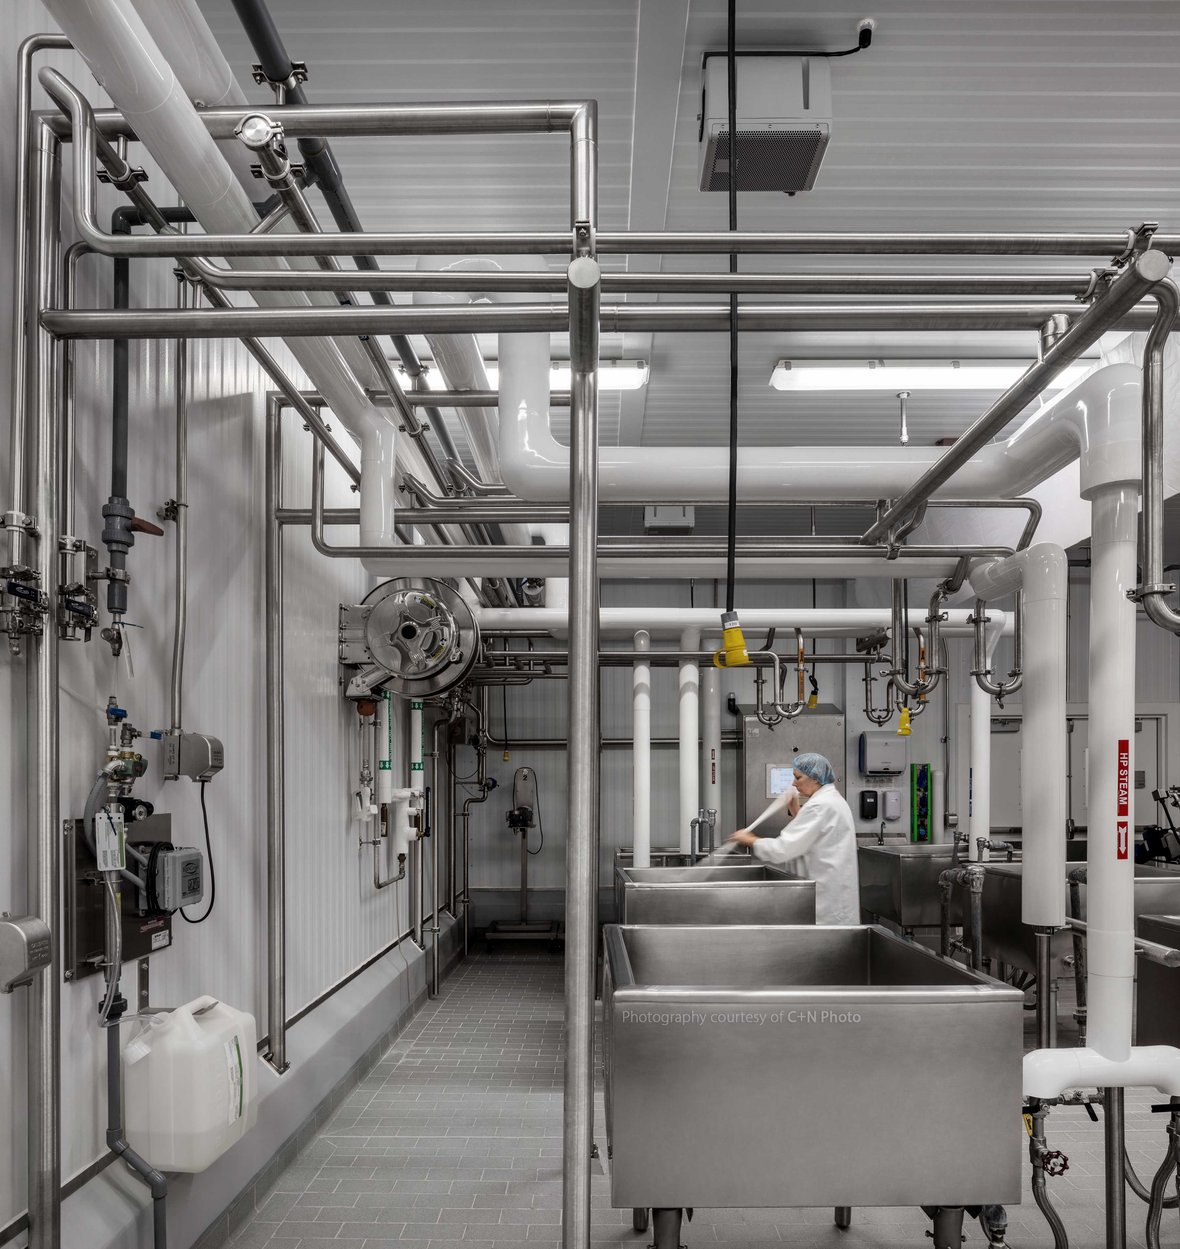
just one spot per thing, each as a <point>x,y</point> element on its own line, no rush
<point>413,637</point>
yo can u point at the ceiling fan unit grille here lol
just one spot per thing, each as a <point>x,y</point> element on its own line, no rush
<point>767,160</point>
<point>784,122</point>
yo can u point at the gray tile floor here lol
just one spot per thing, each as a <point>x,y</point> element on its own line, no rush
<point>453,1141</point>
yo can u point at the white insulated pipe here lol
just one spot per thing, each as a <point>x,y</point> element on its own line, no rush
<point>711,739</point>
<point>690,736</point>
<point>641,753</point>
<point>937,801</point>
<point>123,56</point>
<point>1042,572</point>
<point>980,822</point>
<point>671,622</point>
<point>1110,878</point>
<point>536,467</point>
<point>1110,475</point>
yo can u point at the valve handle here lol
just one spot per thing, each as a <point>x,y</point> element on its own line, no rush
<point>1054,1162</point>
<point>139,525</point>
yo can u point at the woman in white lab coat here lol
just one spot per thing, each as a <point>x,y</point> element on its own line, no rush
<point>821,833</point>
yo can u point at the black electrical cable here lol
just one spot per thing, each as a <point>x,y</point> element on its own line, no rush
<point>212,873</point>
<point>540,829</point>
<point>864,37</point>
<point>731,540</point>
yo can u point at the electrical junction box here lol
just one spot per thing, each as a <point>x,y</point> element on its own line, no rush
<point>668,518</point>
<point>180,878</point>
<point>195,755</point>
<point>882,754</point>
<point>784,122</point>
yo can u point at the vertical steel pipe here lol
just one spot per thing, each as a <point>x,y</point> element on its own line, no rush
<point>43,1109</point>
<point>22,245</point>
<point>180,503</point>
<point>276,904</point>
<point>437,816</point>
<point>1154,589</point>
<point>1114,1149</point>
<point>641,755</point>
<point>581,879</point>
<point>1045,994</point>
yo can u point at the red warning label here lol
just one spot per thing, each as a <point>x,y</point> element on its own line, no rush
<point>1124,839</point>
<point>1124,777</point>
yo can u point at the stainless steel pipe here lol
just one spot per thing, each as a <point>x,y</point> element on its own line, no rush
<point>554,318</point>
<point>180,519</point>
<point>1114,1154</point>
<point>276,951</point>
<point>43,1076</point>
<point>581,860</point>
<point>1155,588</point>
<point>974,284</point>
<point>1137,280</point>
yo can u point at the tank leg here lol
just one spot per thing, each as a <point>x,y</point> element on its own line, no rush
<point>948,1227</point>
<point>843,1217</point>
<point>994,1221</point>
<point>666,1227</point>
<point>639,1218</point>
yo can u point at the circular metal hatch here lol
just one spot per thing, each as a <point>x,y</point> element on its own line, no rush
<point>422,633</point>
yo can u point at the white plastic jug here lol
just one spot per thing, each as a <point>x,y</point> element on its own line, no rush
<point>188,1081</point>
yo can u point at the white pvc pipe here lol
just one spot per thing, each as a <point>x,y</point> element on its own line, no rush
<point>671,622</point>
<point>536,467</point>
<point>385,748</point>
<point>1042,571</point>
<point>1110,881</point>
<point>641,754</point>
<point>980,822</point>
<point>690,735</point>
<point>711,740</point>
<point>937,799</point>
<point>417,746</point>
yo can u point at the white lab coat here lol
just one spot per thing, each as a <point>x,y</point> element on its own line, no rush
<point>823,836</point>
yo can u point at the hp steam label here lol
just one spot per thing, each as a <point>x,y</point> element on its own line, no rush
<point>1124,798</point>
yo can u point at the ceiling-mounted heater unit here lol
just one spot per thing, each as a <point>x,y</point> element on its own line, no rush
<point>784,121</point>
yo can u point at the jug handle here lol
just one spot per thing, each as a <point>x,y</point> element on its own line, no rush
<point>200,1005</point>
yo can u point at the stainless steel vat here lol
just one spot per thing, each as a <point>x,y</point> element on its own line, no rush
<point>900,884</point>
<point>1157,994</point>
<point>806,1066</point>
<point>1007,938</point>
<point>725,893</point>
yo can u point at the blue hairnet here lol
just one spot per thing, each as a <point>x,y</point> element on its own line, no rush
<point>815,766</point>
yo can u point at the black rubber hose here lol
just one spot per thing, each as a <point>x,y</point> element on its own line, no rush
<point>317,154</point>
<point>1155,1205</point>
<point>1136,1185</point>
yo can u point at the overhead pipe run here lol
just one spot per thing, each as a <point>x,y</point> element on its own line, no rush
<point>1141,275</point>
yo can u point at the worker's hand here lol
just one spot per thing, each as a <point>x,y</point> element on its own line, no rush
<point>743,837</point>
<point>794,802</point>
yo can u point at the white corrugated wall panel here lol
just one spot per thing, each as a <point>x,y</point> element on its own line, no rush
<point>335,919</point>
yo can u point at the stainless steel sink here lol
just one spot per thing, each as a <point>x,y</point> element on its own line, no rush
<point>1157,994</point>
<point>725,893</point>
<point>900,884</point>
<point>1007,938</point>
<point>806,1066</point>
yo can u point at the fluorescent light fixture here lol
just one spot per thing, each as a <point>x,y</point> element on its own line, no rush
<point>912,375</point>
<point>612,375</point>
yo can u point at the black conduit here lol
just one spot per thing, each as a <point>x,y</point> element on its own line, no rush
<point>317,155</point>
<point>731,544</point>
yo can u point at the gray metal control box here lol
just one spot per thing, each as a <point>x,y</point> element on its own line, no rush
<point>195,755</point>
<point>768,754</point>
<point>25,947</point>
<point>180,878</point>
